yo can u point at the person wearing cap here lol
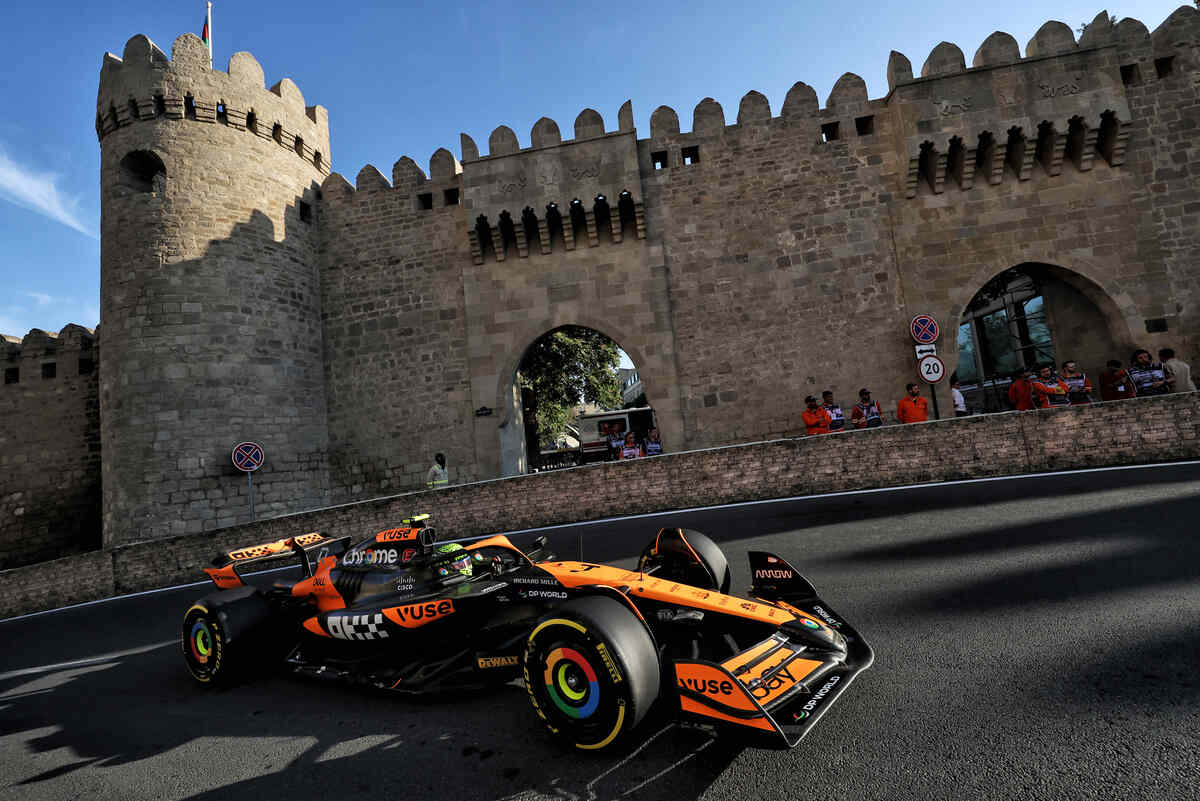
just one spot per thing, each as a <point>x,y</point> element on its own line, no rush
<point>912,408</point>
<point>837,418</point>
<point>866,413</point>
<point>816,419</point>
<point>1020,391</point>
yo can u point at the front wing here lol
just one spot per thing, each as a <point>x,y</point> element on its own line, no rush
<point>778,688</point>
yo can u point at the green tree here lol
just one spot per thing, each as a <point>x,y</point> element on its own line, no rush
<point>566,367</point>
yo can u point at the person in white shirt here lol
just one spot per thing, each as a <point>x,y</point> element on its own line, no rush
<point>1179,373</point>
<point>960,403</point>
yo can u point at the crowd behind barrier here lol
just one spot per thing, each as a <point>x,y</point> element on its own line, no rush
<point>1031,388</point>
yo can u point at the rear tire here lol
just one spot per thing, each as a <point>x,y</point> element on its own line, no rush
<point>226,637</point>
<point>591,671</point>
<point>205,647</point>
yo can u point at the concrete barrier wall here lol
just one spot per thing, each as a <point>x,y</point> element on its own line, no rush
<point>1139,431</point>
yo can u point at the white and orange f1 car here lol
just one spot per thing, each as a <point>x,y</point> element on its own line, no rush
<point>596,645</point>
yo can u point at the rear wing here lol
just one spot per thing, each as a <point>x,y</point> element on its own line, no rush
<point>309,548</point>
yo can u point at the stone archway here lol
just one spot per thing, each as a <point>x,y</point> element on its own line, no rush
<point>1031,314</point>
<point>656,385</point>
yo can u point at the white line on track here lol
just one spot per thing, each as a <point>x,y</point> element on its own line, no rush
<point>647,515</point>
<point>33,671</point>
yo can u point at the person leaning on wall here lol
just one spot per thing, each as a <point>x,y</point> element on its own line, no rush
<point>1115,383</point>
<point>866,413</point>
<point>816,419</point>
<point>1149,377</point>
<point>1049,389</point>
<point>1179,373</point>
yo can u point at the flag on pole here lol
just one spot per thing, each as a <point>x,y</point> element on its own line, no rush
<point>206,33</point>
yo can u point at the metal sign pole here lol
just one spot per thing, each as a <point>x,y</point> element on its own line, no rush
<point>932,394</point>
<point>250,483</point>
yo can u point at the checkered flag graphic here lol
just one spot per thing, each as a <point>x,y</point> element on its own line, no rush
<point>357,627</point>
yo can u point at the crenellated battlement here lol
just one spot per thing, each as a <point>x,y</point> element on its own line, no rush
<point>144,85</point>
<point>1064,102</point>
<point>73,341</point>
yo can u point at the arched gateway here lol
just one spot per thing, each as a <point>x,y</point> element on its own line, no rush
<point>513,446</point>
<point>1030,315</point>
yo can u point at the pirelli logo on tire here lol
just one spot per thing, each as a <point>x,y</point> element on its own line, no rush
<point>613,672</point>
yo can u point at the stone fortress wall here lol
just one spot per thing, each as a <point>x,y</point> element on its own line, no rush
<point>49,446</point>
<point>248,293</point>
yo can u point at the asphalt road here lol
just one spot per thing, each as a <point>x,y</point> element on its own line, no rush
<point>1035,638</point>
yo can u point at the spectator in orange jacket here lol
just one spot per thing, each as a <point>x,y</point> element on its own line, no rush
<point>912,408</point>
<point>1020,391</point>
<point>1049,389</point>
<point>816,419</point>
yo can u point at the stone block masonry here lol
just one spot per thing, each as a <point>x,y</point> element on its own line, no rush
<point>49,446</point>
<point>355,328</point>
<point>1138,431</point>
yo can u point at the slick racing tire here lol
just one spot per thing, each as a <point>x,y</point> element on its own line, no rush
<point>225,638</point>
<point>591,671</point>
<point>712,557</point>
<point>205,647</point>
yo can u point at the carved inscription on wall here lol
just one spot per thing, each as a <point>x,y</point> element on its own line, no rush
<point>1070,87</point>
<point>948,107</point>
<point>514,187</point>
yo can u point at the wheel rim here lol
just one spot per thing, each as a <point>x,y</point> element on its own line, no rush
<point>202,644</point>
<point>571,684</point>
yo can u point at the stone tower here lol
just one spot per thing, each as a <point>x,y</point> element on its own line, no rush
<point>210,296</point>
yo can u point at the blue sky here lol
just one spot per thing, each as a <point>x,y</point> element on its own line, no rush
<point>405,78</point>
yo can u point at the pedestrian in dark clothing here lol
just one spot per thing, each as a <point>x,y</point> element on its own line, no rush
<point>1149,377</point>
<point>1115,383</point>
<point>866,413</point>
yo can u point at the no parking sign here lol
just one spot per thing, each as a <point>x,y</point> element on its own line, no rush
<point>248,457</point>
<point>924,329</point>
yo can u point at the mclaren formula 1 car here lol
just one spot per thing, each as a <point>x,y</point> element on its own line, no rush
<point>596,645</point>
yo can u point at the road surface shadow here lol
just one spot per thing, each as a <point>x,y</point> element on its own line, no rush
<point>1166,551</point>
<point>625,538</point>
<point>241,743</point>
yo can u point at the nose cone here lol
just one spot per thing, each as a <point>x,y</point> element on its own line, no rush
<point>815,634</point>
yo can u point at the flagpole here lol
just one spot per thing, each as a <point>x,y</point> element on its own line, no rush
<point>210,52</point>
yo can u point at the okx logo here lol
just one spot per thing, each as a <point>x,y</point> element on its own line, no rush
<point>413,615</point>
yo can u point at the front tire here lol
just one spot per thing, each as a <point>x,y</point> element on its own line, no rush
<point>591,671</point>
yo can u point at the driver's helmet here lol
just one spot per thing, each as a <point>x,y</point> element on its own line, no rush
<point>451,560</point>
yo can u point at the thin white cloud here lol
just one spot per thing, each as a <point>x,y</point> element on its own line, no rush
<point>48,312</point>
<point>39,192</point>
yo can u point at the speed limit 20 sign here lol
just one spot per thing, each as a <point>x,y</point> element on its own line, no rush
<point>932,369</point>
